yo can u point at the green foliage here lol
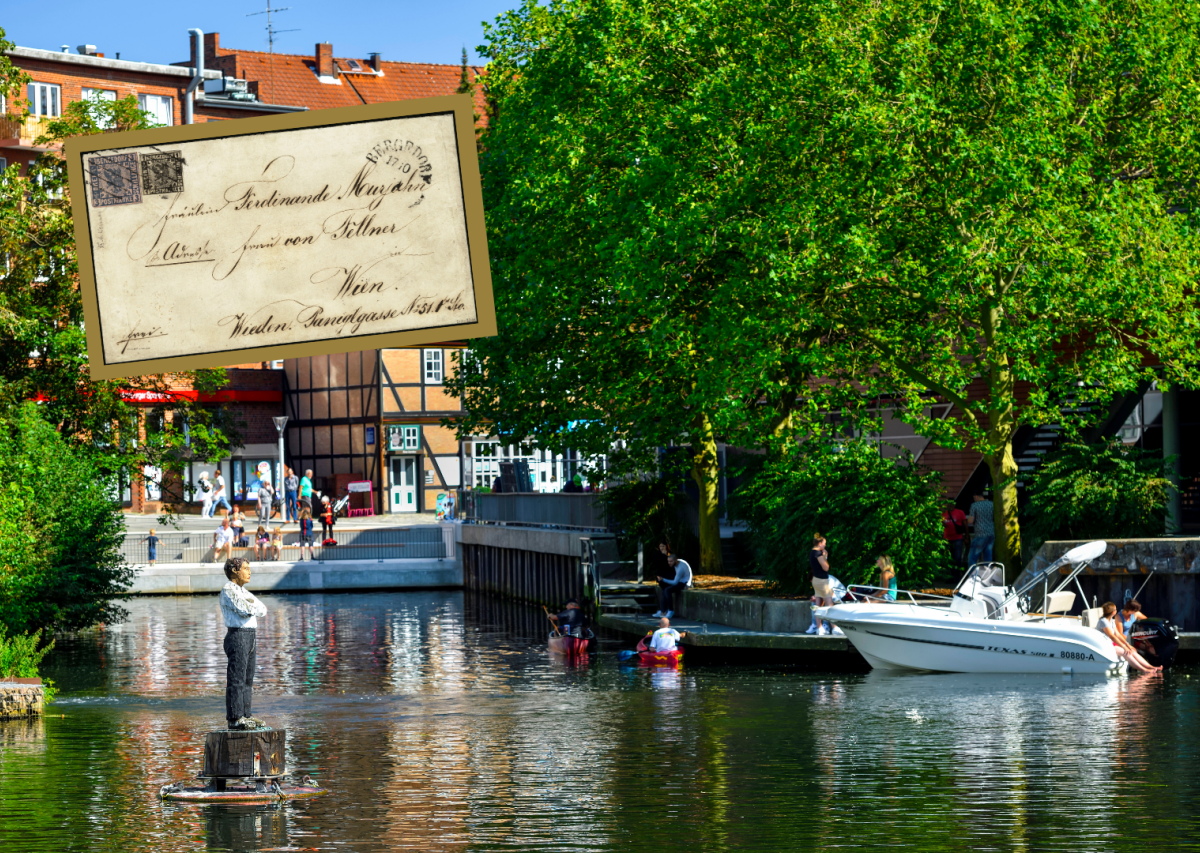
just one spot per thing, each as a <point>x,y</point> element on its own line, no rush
<point>652,511</point>
<point>43,354</point>
<point>20,655</point>
<point>1100,491</point>
<point>60,531</point>
<point>865,504</point>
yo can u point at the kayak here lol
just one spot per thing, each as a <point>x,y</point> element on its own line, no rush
<point>649,657</point>
<point>570,647</point>
<point>240,794</point>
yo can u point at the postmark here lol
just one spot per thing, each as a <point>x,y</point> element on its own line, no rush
<point>162,172</point>
<point>114,180</point>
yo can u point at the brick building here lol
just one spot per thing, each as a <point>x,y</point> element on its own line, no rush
<point>61,77</point>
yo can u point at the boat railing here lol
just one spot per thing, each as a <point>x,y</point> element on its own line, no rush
<point>914,596</point>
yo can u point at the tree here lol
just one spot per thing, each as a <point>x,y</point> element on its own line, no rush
<point>1008,197</point>
<point>61,566</point>
<point>43,353</point>
<point>639,205</point>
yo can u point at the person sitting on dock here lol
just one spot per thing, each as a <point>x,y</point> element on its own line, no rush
<point>1109,626</point>
<point>571,620</point>
<point>667,588</point>
<point>666,638</point>
<point>241,610</point>
<point>1131,611</point>
<point>223,540</point>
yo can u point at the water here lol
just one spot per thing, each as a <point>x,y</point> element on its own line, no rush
<point>442,724</point>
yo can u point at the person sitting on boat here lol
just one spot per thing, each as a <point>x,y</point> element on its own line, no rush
<point>667,588</point>
<point>1131,611</point>
<point>666,638</point>
<point>571,620</point>
<point>887,579</point>
<point>1110,627</point>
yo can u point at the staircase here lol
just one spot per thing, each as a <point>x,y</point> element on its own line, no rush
<point>628,597</point>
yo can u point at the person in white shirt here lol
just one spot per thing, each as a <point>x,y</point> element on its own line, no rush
<point>667,588</point>
<point>223,540</point>
<point>666,638</point>
<point>220,499</point>
<point>241,610</point>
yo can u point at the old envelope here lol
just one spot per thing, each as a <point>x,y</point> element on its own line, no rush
<point>261,238</point>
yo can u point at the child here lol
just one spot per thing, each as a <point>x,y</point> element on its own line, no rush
<point>152,545</point>
<point>327,519</point>
<point>276,543</point>
<point>261,541</point>
<point>306,531</point>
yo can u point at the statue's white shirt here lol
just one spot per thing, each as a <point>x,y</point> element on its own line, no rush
<point>239,607</point>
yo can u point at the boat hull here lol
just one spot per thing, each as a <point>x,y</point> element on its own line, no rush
<point>569,647</point>
<point>908,637</point>
<point>649,657</point>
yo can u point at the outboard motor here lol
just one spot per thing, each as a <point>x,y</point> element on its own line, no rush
<point>1157,640</point>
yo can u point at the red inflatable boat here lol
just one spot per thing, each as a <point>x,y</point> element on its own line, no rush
<point>648,657</point>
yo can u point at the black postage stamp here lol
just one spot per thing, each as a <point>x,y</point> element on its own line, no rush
<point>162,173</point>
<point>115,180</point>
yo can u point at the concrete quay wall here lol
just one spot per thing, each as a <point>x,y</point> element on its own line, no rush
<point>305,576</point>
<point>750,613</point>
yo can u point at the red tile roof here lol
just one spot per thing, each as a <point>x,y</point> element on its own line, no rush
<point>286,78</point>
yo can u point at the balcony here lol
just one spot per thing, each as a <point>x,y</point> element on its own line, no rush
<point>22,132</point>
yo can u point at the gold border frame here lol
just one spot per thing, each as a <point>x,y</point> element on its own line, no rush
<point>468,169</point>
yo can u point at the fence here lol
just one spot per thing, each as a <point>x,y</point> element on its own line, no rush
<point>426,542</point>
<point>581,511</point>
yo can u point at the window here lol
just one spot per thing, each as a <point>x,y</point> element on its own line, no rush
<point>159,108</point>
<point>100,95</point>
<point>44,99</point>
<point>433,366</point>
<point>404,439</point>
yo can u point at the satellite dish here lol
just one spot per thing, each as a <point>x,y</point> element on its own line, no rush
<point>1085,553</point>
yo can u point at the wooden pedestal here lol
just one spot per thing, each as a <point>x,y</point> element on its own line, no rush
<point>257,753</point>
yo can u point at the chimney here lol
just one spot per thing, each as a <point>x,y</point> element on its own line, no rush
<point>376,62</point>
<point>325,59</point>
<point>212,44</point>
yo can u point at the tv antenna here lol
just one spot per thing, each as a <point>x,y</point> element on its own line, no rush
<point>271,33</point>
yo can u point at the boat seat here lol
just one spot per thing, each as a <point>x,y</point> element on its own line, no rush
<point>1091,617</point>
<point>1060,602</point>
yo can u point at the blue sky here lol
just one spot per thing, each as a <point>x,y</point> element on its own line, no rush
<point>156,30</point>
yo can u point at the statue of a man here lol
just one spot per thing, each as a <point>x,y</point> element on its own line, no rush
<point>241,611</point>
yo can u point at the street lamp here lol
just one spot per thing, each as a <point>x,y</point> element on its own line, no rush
<point>280,423</point>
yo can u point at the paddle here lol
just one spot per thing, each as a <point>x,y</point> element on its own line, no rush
<point>557,633</point>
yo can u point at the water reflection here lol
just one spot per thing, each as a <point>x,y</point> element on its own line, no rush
<point>442,723</point>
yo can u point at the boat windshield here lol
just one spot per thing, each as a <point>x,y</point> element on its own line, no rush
<point>983,575</point>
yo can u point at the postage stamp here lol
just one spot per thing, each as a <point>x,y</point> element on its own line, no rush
<point>114,180</point>
<point>162,173</point>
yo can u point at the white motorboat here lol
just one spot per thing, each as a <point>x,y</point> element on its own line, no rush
<point>983,627</point>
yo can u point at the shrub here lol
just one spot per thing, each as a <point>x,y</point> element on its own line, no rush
<point>1097,491</point>
<point>865,505</point>
<point>20,657</point>
<point>60,531</point>
<point>652,511</point>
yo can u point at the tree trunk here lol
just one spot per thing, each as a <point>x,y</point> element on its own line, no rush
<point>705,472</point>
<point>1003,468</point>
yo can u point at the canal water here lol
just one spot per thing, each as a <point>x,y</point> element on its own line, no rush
<point>441,724</point>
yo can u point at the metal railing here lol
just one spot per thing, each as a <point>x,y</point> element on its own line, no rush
<point>383,544</point>
<point>578,511</point>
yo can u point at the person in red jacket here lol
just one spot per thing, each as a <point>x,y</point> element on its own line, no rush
<point>954,525</point>
<point>327,516</point>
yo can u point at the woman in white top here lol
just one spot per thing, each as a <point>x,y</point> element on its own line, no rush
<point>1110,627</point>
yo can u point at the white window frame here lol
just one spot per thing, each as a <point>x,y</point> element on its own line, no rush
<point>43,96</point>
<point>433,366</point>
<point>153,107</point>
<point>410,439</point>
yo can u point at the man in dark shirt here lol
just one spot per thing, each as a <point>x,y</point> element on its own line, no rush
<point>571,620</point>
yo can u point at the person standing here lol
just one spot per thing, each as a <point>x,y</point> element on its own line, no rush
<point>266,496</point>
<point>291,490</point>
<point>241,611</point>
<point>668,588</point>
<point>327,519</point>
<point>306,532</point>
<point>818,563</point>
<point>152,546</point>
<point>219,496</point>
<point>206,495</point>
<point>983,534</point>
<point>223,540</point>
<point>306,490</point>
<point>954,525</point>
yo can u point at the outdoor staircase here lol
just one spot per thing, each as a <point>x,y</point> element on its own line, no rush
<point>628,597</point>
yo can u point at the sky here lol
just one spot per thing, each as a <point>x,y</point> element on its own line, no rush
<point>156,30</point>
